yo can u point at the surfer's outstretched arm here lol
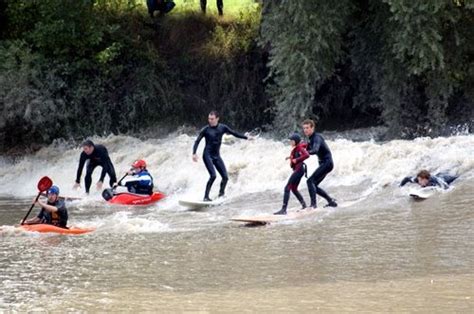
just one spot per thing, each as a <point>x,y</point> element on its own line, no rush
<point>235,133</point>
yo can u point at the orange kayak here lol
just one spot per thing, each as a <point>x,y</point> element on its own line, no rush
<point>45,228</point>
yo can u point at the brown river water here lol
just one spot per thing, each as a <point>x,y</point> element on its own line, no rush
<point>378,251</point>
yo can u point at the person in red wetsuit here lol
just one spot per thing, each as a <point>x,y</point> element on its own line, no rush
<point>297,157</point>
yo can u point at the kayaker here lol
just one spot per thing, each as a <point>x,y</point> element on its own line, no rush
<point>425,179</point>
<point>53,211</point>
<point>140,182</point>
<point>96,155</point>
<point>297,157</point>
<point>211,156</point>
<point>317,146</point>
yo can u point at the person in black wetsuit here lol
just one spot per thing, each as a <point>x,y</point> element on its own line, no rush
<point>317,146</point>
<point>297,157</point>
<point>96,155</point>
<point>425,179</point>
<point>211,156</point>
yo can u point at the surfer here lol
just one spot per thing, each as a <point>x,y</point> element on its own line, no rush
<point>297,157</point>
<point>317,146</point>
<point>53,212</point>
<point>211,156</point>
<point>425,179</point>
<point>96,155</point>
<point>141,181</point>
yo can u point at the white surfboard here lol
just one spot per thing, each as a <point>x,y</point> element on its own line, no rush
<point>266,219</point>
<point>199,205</point>
<point>422,193</point>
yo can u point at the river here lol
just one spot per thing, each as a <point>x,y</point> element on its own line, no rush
<point>378,251</point>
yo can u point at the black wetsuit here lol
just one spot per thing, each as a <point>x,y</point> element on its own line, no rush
<point>317,146</point>
<point>58,218</point>
<point>99,157</point>
<point>220,6</point>
<point>442,180</point>
<point>211,155</point>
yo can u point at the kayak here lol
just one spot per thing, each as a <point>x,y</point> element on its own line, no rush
<point>136,199</point>
<point>45,228</point>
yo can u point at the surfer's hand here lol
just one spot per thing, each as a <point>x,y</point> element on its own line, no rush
<point>195,158</point>
<point>99,186</point>
<point>76,186</point>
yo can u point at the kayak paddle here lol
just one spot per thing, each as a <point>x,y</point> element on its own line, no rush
<point>107,194</point>
<point>43,185</point>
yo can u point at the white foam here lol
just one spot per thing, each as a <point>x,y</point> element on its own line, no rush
<point>253,166</point>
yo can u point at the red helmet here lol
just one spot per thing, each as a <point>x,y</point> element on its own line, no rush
<point>139,164</point>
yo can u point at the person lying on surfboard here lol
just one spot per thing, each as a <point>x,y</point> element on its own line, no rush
<point>317,146</point>
<point>53,211</point>
<point>96,155</point>
<point>297,157</point>
<point>211,156</point>
<point>425,179</point>
<point>140,182</point>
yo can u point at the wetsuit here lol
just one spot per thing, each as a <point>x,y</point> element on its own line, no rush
<point>58,218</point>
<point>220,6</point>
<point>211,155</point>
<point>299,155</point>
<point>317,146</point>
<point>441,180</point>
<point>140,183</point>
<point>99,157</point>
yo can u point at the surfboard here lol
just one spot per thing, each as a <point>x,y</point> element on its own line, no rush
<point>266,219</point>
<point>422,193</point>
<point>199,205</point>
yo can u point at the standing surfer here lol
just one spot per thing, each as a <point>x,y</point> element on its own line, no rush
<point>297,157</point>
<point>317,146</point>
<point>211,156</point>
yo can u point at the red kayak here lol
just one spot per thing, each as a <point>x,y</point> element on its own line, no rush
<point>136,199</point>
<point>45,228</point>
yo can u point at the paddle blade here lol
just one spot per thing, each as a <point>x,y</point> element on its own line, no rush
<point>44,184</point>
<point>107,194</point>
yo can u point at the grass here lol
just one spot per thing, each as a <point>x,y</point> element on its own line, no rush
<point>232,8</point>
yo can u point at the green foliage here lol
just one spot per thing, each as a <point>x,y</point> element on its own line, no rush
<point>79,68</point>
<point>410,61</point>
<point>306,44</point>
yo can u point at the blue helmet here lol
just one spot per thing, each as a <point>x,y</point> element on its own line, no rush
<point>295,137</point>
<point>53,190</point>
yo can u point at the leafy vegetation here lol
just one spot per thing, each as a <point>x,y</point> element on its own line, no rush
<point>74,68</point>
